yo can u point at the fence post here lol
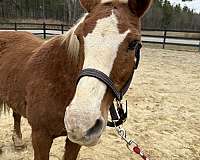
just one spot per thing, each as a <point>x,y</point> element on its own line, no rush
<point>15,26</point>
<point>199,46</point>
<point>164,40</point>
<point>62,28</point>
<point>44,30</point>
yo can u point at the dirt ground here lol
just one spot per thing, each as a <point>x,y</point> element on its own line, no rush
<point>164,114</point>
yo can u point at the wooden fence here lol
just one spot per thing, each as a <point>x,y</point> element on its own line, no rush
<point>36,28</point>
<point>155,36</point>
<point>172,37</point>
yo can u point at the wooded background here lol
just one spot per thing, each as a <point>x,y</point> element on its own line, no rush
<point>162,14</point>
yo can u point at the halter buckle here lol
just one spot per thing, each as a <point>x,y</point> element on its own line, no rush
<point>118,115</point>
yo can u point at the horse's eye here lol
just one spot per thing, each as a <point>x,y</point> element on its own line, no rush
<point>132,45</point>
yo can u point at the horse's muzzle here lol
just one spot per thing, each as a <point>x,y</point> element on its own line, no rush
<point>79,132</point>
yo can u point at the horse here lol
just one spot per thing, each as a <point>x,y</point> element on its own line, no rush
<point>40,80</point>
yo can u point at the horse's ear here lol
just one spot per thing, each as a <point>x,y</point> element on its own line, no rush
<point>139,7</point>
<point>89,4</point>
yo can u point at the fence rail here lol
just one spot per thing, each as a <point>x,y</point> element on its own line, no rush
<point>155,36</point>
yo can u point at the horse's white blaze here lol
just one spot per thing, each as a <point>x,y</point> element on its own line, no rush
<point>107,1</point>
<point>101,47</point>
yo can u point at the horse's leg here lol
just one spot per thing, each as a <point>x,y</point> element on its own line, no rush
<point>71,150</point>
<point>41,142</point>
<point>17,135</point>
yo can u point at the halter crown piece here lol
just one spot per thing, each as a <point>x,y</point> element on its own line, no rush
<point>118,116</point>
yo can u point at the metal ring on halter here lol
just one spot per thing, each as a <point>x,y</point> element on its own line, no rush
<point>118,116</point>
<point>130,144</point>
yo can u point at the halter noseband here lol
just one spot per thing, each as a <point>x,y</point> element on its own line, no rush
<point>118,117</point>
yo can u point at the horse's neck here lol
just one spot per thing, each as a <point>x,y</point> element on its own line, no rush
<point>51,64</point>
<point>56,52</point>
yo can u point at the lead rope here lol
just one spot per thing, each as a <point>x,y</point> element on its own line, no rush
<point>130,144</point>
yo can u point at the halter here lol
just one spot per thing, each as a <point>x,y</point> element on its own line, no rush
<point>118,116</point>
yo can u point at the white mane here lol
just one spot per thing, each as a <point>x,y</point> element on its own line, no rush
<point>72,41</point>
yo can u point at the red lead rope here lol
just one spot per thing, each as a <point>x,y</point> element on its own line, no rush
<point>138,151</point>
<point>131,145</point>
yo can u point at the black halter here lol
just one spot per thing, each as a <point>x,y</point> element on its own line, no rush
<point>118,117</point>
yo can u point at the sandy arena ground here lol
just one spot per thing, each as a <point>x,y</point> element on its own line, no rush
<point>164,114</point>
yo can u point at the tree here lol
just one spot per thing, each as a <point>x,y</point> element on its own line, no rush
<point>161,15</point>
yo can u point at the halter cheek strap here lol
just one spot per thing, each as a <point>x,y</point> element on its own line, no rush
<point>138,46</point>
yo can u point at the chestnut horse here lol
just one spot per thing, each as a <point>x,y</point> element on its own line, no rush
<point>38,79</point>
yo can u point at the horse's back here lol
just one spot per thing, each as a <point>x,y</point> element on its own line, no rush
<point>18,41</point>
<point>17,44</point>
<point>15,50</point>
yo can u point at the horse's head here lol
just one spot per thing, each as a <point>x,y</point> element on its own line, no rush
<point>105,38</point>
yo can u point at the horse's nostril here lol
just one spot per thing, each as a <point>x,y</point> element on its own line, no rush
<point>96,128</point>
